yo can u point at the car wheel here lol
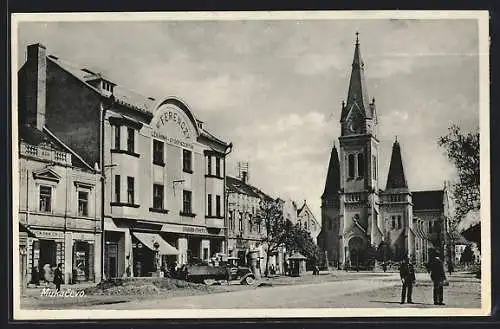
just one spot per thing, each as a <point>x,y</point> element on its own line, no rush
<point>249,280</point>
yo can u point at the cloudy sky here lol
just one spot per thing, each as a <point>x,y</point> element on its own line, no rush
<point>274,88</point>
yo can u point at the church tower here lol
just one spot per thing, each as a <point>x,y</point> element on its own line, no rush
<point>359,214</point>
<point>330,235</point>
<point>397,209</point>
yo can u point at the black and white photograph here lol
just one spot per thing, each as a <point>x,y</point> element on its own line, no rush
<point>250,164</point>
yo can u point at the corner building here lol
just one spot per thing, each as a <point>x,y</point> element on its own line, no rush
<point>356,214</point>
<point>162,170</point>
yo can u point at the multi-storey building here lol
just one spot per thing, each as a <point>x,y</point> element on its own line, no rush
<point>59,207</point>
<point>308,221</point>
<point>356,214</point>
<point>162,170</point>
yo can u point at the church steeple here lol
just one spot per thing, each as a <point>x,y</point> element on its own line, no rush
<point>396,178</point>
<point>332,185</point>
<point>357,93</point>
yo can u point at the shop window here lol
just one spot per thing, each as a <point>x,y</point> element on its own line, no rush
<point>117,188</point>
<point>158,147</point>
<point>130,190</point>
<point>117,137</point>
<point>186,202</point>
<point>209,165</point>
<point>351,166</point>
<point>81,261</point>
<point>45,198</point>
<point>217,167</point>
<point>217,206</point>
<point>361,165</point>
<point>205,253</point>
<point>158,196</point>
<point>130,140</point>
<point>209,205</point>
<point>83,203</point>
<point>186,161</point>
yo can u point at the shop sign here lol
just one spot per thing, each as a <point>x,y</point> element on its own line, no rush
<point>186,229</point>
<point>171,125</point>
<point>49,234</point>
<point>193,229</point>
<point>83,236</point>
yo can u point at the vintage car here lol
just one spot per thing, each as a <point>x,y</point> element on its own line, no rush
<point>224,270</point>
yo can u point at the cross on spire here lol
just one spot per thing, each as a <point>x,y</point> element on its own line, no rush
<point>357,38</point>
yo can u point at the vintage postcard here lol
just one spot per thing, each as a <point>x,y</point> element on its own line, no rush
<point>250,164</point>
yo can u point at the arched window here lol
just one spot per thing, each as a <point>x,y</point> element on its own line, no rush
<point>361,165</point>
<point>351,165</point>
<point>374,160</point>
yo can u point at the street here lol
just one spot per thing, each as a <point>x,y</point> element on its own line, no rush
<point>376,292</point>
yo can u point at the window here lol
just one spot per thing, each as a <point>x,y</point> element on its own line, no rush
<point>351,166</point>
<point>130,140</point>
<point>231,219</point>
<point>45,198</point>
<point>209,159</point>
<point>217,206</point>
<point>186,161</point>
<point>305,225</point>
<point>209,205</point>
<point>393,222</point>
<point>117,137</point>
<point>205,253</point>
<point>130,190</point>
<point>83,203</point>
<point>361,165</point>
<point>240,224</point>
<point>259,227</point>
<point>430,227</point>
<point>117,188</point>
<point>399,222</point>
<point>374,159</point>
<point>250,223</point>
<point>158,152</point>
<point>158,196</point>
<point>217,167</point>
<point>186,202</point>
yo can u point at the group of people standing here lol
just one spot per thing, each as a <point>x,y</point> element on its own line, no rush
<point>48,274</point>
<point>435,268</point>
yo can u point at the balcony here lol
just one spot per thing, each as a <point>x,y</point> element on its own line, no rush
<point>45,153</point>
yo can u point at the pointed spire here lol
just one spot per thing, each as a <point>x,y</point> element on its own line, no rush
<point>396,178</point>
<point>357,93</point>
<point>332,185</point>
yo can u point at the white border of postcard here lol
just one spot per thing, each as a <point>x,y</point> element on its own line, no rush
<point>482,18</point>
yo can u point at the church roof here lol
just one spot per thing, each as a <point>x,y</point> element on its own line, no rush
<point>428,200</point>
<point>358,93</point>
<point>332,185</point>
<point>396,178</point>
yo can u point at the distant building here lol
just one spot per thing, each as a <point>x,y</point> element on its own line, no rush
<point>163,170</point>
<point>307,221</point>
<point>59,208</point>
<point>356,215</point>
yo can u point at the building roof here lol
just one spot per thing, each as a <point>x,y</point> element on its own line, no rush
<point>122,95</point>
<point>428,200</point>
<point>33,136</point>
<point>332,185</point>
<point>358,93</point>
<point>396,178</point>
<point>236,185</point>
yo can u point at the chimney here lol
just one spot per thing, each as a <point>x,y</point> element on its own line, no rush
<point>244,177</point>
<point>36,84</point>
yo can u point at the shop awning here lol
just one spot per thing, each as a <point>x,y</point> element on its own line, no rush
<point>149,239</point>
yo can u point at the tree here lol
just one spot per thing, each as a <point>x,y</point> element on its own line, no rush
<point>462,150</point>
<point>271,214</point>
<point>299,239</point>
<point>467,256</point>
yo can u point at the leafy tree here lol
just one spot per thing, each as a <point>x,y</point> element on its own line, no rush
<point>271,214</point>
<point>299,239</point>
<point>462,150</point>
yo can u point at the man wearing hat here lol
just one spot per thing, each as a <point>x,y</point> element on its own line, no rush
<point>407,274</point>
<point>438,277</point>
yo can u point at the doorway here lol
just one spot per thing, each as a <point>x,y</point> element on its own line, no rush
<point>48,253</point>
<point>111,260</point>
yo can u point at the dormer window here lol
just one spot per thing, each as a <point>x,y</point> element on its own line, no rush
<point>107,86</point>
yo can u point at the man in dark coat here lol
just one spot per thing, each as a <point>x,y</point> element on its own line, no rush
<point>438,276</point>
<point>58,277</point>
<point>407,274</point>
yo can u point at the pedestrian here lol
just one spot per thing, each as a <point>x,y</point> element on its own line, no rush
<point>438,277</point>
<point>384,266</point>
<point>450,268</point>
<point>58,277</point>
<point>47,275</point>
<point>407,274</point>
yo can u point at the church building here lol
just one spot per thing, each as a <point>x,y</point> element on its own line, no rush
<point>357,216</point>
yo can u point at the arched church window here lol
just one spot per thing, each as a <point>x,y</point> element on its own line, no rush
<point>351,166</point>
<point>361,165</point>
